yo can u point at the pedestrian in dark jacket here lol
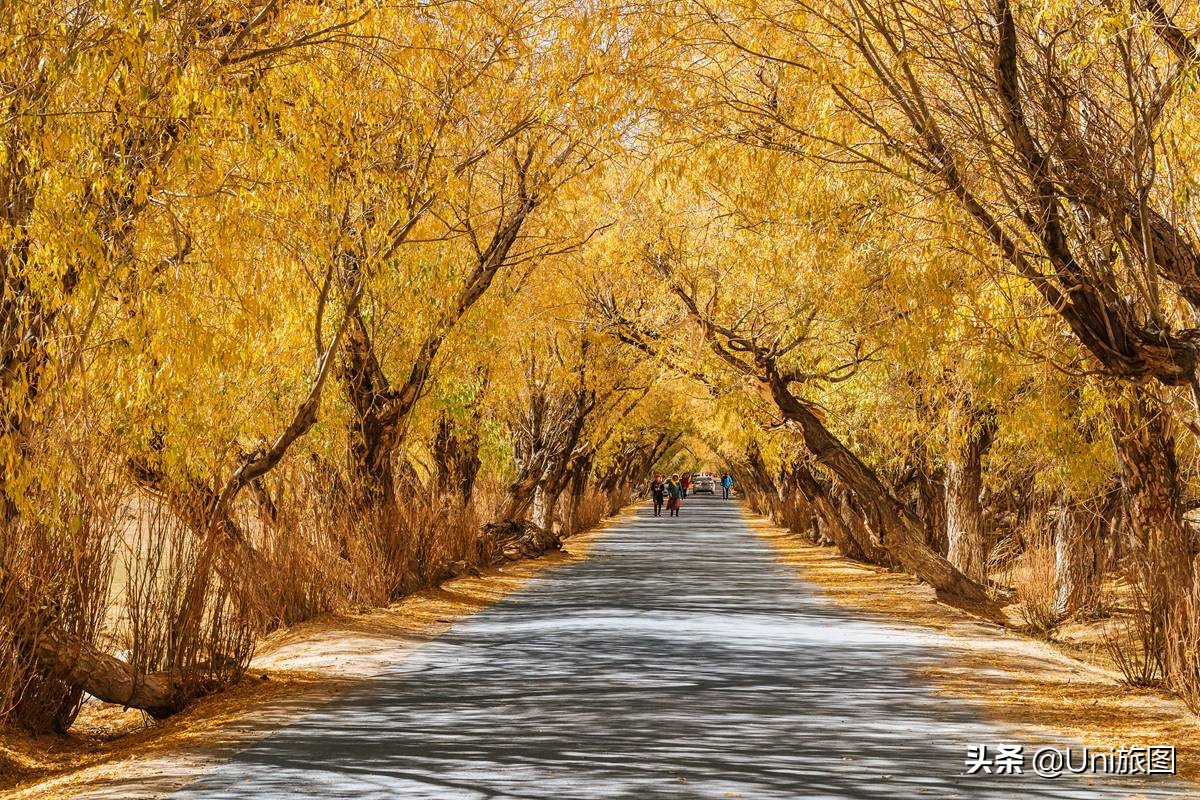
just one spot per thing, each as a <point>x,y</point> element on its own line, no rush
<point>658,492</point>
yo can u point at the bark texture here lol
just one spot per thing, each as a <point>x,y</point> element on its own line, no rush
<point>77,662</point>
<point>1152,494</point>
<point>1078,555</point>
<point>966,534</point>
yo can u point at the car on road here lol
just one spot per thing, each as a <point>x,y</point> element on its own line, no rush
<point>704,483</point>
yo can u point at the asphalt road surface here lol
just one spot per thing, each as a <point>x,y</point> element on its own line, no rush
<point>678,661</point>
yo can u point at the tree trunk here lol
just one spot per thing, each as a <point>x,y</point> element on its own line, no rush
<point>766,490</point>
<point>931,507</point>
<point>560,477</point>
<point>834,527</point>
<point>368,392</point>
<point>799,516</point>
<point>1153,500</point>
<point>577,485</point>
<point>519,498</point>
<point>857,525</point>
<point>966,536</point>
<point>78,663</point>
<point>468,468</point>
<point>106,677</point>
<point>456,454</point>
<point>537,508</point>
<point>1077,556</point>
<point>371,465</point>
<point>901,534</point>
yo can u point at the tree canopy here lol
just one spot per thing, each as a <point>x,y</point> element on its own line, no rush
<point>322,289</point>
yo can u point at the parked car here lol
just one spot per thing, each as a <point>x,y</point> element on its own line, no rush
<point>703,483</point>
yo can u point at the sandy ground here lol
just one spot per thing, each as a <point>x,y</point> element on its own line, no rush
<point>294,669</point>
<point>1016,679</point>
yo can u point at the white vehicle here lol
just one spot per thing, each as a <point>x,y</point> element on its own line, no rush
<point>704,483</point>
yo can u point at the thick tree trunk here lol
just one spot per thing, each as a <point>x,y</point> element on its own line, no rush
<point>577,485</point>
<point>901,534</point>
<point>966,536</point>
<point>931,507</point>
<point>538,509</point>
<point>546,448</point>
<point>552,493</point>
<point>371,444</point>
<point>1153,499</point>
<point>797,510</point>
<point>842,523</point>
<point>834,526</point>
<point>371,465</point>
<point>557,482</point>
<point>519,498</point>
<point>1078,556</point>
<point>858,526</point>
<point>457,456</point>
<point>78,663</point>
<point>104,676</point>
<point>766,490</point>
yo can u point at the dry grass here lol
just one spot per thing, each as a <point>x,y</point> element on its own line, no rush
<point>1029,683</point>
<point>1183,658</point>
<point>56,567</point>
<point>1134,640</point>
<point>1032,576</point>
<point>161,562</point>
<point>587,512</point>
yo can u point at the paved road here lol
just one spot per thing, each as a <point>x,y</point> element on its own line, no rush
<point>679,661</point>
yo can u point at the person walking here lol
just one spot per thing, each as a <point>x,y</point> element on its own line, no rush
<point>658,491</point>
<point>674,496</point>
<point>685,482</point>
<point>726,485</point>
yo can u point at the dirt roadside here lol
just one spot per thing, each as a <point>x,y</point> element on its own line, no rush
<point>294,670</point>
<point>1016,679</point>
